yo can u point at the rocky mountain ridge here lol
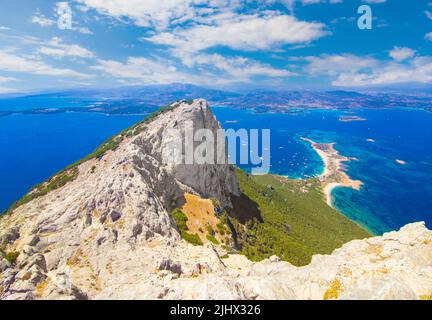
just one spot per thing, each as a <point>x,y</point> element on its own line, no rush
<point>108,233</point>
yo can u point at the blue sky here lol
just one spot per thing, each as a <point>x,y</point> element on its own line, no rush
<point>292,44</point>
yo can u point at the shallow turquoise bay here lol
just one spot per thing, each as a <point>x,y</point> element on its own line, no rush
<point>393,194</point>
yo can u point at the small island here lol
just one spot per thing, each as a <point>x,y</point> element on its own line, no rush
<point>334,174</point>
<point>351,119</point>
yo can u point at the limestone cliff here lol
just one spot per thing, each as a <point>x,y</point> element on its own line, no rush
<point>108,234</point>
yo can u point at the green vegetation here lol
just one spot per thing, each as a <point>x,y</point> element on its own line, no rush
<point>297,222</point>
<point>222,228</point>
<point>192,238</point>
<point>212,239</point>
<point>11,257</point>
<point>181,220</point>
<point>70,173</point>
<point>210,230</point>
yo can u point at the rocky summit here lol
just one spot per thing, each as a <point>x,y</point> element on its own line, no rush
<point>104,229</point>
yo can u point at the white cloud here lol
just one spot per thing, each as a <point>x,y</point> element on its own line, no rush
<point>143,69</point>
<point>246,33</point>
<point>307,2</point>
<point>10,61</point>
<point>417,71</point>
<point>146,13</point>
<point>40,19</point>
<point>402,53</point>
<point>428,14</point>
<point>83,30</point>
<point>3,28</point>
<point>189,27</point>
<point>167,14</point>
<point>428,36</point>
<point>213,69</point>
<point>4,90</point>
<point>336,64</point>
<point>57,49</point>
<point>355,71</point>
<point>6,79</point>
<point>238,67</point>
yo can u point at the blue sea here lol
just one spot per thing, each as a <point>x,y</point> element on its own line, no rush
<point>393,194</point>
<point>35,146</point>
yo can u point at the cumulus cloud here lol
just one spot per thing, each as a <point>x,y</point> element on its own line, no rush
<point>336,64</point>
<point>148,13</point>
<point>419,70</point>
<point>189,28</point>
<point>247,33</point>
<point>4,90</point>
<point>83,30</point>
<point>57,49</point>
<point>401,54</point>
<point>148,71</point>
<point>356,71</point>
<point>41,20</point>
<point>162,14</point>
<point>238,67</point>
<point>168,14</point>
<point>6,79</point>
<point>143,70</point>
<point>12,62</point>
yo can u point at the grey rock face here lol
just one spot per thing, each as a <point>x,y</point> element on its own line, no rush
<point>109,235</point>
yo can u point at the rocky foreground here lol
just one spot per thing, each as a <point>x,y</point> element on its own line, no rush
<point>108,234</point>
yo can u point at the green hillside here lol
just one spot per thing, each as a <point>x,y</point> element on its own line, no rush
<point>297,223</point>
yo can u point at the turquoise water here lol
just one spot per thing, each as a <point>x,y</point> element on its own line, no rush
<point>33,147</point>
<point>393,194</point>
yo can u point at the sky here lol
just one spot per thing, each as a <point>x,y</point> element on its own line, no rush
<point>283,44</point>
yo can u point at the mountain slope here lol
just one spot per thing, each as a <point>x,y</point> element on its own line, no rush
<point>105,228</point>
<point>297,221</point>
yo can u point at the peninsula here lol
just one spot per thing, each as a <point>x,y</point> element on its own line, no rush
<point>334,174</point>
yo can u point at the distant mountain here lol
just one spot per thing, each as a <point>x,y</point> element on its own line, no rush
<point>144,99</point>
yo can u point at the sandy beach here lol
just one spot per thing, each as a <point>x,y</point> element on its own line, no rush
<point>334,174</point>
